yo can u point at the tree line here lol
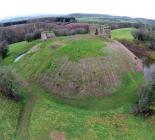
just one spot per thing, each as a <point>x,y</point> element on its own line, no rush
<point>146,34</point>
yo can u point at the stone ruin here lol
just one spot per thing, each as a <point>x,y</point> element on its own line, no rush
<point>47,34</point>
<point>93,29</point>
<point>100,30</point>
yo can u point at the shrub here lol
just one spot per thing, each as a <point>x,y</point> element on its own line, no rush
<point>17,33</point>
<point>80,31</point>
<point>71,29</point>
<point>33,36</point>
<point>144,34</point>
<point>37,34</point>
<point>147,35</point>
<point>145,98</point>
<point>9,83</point>
<point>152,45</point>
<point>66,31</point>
<point>3,49</point>
<point>29,37</point>
<point>62,32</point>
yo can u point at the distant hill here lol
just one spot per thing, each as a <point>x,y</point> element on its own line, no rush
<point>20,18</point>
<point>111,19</point>
<point>15,19</point>
<point>26,20</point>
<point>102,18</point>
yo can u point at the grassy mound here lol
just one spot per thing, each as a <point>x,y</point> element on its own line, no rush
<point>87,68</point>
<point>92,63</point>
<point>82,66</point>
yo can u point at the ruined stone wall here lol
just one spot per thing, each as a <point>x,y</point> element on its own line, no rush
<point>101,30</point>
<point>47,34</point>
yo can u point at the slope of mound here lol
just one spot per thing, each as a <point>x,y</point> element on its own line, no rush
<point>129,59</point>
<point>84,66</point>
<point>92,61</point>
<point>99,74</point>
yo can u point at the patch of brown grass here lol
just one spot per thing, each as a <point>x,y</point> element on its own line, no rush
<point>88,77</point>
<point>57,136</point>
<point>96,76</point>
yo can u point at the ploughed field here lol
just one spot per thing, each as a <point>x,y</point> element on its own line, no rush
<point>76,87</point>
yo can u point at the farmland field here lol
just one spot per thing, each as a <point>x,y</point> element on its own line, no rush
<point>124,33</point>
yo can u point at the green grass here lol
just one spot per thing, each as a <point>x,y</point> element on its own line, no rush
<point>46,58</point>
<point>124,33</point>
<point>92,118</point>
<point>152,55</point>
<point>17,49</point>
<point>111,102</point>
<point>9,114</point>
<point>76,122</point>
<point>81,49</point>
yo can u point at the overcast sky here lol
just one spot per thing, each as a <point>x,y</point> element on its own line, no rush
<point>133,8</point>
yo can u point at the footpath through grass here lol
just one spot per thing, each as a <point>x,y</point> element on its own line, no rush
<point>18,49</point>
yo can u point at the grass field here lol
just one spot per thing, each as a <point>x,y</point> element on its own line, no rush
<point>49,117</point>
<point>124,33</point>
<point>9,114</point>
<point>17,49</point>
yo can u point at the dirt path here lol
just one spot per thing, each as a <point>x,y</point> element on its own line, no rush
<point>24,119</point>
<point>32,50</point>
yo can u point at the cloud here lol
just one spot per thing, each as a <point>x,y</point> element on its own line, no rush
<point>133,8</point>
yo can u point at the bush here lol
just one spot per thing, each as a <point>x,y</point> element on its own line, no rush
<point>33,36</point>
<point>144,34</point>
<point>29,37</point>
<point>17,33</point>
<point>37,34</point>
<point>66,31</point>
<point>147,35</point>
<point>71,29</point>
<point>145,99</point>
<point>152,45</point>
<point>9,83</point>
<point>3,49</point>
<point>80,31</point>
<point>62,32</point>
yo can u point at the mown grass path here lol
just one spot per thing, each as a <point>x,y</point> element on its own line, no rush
<point>25,117</point>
